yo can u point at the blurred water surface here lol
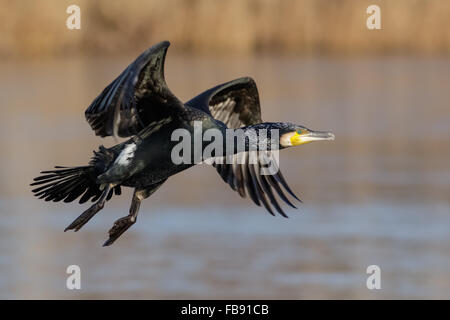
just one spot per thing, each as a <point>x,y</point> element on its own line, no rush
<point>379,194</point>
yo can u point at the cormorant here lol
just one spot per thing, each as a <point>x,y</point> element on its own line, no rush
<point>139,105</point>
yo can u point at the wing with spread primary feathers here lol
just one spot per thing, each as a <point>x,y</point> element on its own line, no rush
<point>138,97</point>
<point>236,104</point>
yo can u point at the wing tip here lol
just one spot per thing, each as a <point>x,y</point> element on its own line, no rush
<point>160,45</point>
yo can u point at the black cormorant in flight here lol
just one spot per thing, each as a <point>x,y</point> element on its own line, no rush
<point>139,105</point>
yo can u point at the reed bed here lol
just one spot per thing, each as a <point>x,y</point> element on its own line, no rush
<point>37,28</point>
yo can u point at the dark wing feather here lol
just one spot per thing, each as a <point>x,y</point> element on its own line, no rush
<point>244,173</point>
<point>138,97</point>
<point>236,104</point>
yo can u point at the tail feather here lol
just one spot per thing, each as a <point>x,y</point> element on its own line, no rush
<point>68,184</point>
<point>60,184</point>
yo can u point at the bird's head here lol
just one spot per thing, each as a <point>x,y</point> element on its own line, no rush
<point>292,135</point>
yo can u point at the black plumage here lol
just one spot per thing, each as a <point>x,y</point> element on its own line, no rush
<point>236,104</point>
<point>139,105</point>
<point>136,98</point>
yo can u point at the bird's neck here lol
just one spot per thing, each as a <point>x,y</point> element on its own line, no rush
<point>257,137</point>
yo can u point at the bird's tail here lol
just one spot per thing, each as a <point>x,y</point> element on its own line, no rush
<point>68,183</point>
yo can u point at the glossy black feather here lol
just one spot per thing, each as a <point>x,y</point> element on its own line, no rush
<point>236,104</point>
<point>67,184</point>
<point>243,94</point>
<point>138,97</point>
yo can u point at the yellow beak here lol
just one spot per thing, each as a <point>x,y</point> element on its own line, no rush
<point>310,136</point>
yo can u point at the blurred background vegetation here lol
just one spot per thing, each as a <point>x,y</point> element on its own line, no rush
<point>37,28</point>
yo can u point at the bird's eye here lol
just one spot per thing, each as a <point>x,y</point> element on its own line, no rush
<point>301,131</point>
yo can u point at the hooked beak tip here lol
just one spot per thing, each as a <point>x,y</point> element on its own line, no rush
<point>322,135</point>
<point>331,136</point>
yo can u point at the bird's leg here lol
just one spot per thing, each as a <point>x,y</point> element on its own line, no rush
<point>89,213</point>
<point>121,225</point>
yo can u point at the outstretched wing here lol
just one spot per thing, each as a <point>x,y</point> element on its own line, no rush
<point>236,104</point>
<point>138,97</point>
<point>258,175</point>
